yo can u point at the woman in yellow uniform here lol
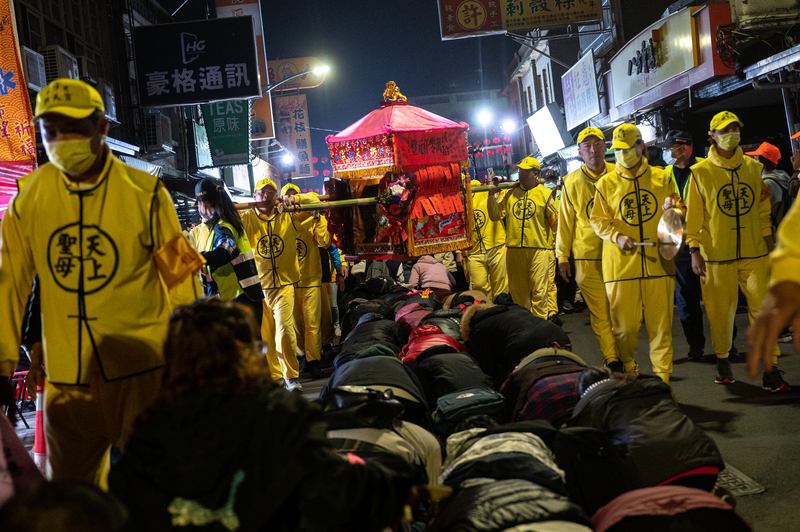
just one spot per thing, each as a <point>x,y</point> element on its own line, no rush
<point>530,216</point>
<point>486,260</point>
<point>577,237</point>
<point>729,234</point>
<point>625,214</point>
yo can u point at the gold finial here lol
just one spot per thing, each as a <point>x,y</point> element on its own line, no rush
<point>393,94</point>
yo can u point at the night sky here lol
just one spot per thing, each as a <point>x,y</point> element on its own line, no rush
<point>368,43</point>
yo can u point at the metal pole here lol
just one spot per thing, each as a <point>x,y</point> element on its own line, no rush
<point>789,107</point>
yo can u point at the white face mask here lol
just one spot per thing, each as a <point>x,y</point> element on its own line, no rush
<point>668,158</point>
<point>550,184</point>
<point>729,141</point>
<point>627,158</point>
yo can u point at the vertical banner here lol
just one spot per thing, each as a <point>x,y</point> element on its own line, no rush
<point>17,145</point>
<point>579,86</point>
<point>227,128</point>
<point>294,133</point>
<point>261,121</point>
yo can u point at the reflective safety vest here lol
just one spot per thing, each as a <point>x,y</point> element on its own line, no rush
<point>575,232</point>
<point>670,170</point>
<point>631,205</point>
<point>728,208</point>
<point>530,216</point>
<point>240,275</point>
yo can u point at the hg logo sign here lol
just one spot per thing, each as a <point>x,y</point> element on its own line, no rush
<point>191,47</point>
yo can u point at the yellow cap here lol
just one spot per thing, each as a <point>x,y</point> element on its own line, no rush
<point>625,137</point>
<point>289,186</point>
<point>588,132</point>
<point>723,119</point>
<point>528,163</point>
<point>266,182</point>
<point>475,183</point>
<point>69,97</point>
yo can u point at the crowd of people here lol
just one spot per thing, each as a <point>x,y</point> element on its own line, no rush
<point>456,399</point>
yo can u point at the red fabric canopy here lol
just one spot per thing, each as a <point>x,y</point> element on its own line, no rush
<point>393,119</point>
<point>395,136</point>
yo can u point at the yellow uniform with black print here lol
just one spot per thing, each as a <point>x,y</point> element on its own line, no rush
<point>530,217</point>
<point>640,280</point>
<point>576,236</point>
<point>487,258</point>
<point>728,217</point>
<point>311,234</point>
<point>273,240</point>
<point>104,303</point>
<point>552,290</point>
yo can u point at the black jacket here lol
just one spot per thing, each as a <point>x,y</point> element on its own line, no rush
<point>441,373</point>
<point>499,336</point>
<point>374,330</point>
<point>264,457</point>
<point>643,419</point>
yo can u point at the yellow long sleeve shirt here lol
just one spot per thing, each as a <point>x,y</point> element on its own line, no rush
<point>104,304</point>
<point>311,234</point>
<point>530,216</point>
<point>575,231</point>
<point>785,260</point>
<point>273,240</point>
<point>728,208</point>
<point>631,205</point>
<point>486,233</point>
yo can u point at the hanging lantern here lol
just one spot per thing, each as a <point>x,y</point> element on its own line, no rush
<point>324,159</point>
<point>305,190</point>
<point>507,138</point>
<point>490,152</point>
<point>315,160</point>
<point>479,155</point>
<point>508,149</point>
<point>326,173</point>
<point>486,142</point>
<point>316,172</point>
<point>496,140</point>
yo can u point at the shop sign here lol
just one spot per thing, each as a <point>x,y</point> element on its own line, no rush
<point>261,121</point>
<point>579,86</point>
<point>476,18</point>
<point>294,133</point>
<point>228,132</point>
<point>195,62</point>
<point>664,50</point>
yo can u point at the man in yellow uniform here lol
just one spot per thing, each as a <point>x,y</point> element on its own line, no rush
<point>530,216</point>
<point>781,307</point>
<point>729,234</point>
<point>549,179</point>
<point>625,214</point>
<point>577,237</point>
<point>272,236</point>
<point>312,232</point>
<point>486,261</point>
<point>93,229</point>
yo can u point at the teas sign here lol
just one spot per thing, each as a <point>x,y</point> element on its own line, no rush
<point>579,85</point>
<point>475,18</point>
<point>195,62</point>
<point>228,132</point>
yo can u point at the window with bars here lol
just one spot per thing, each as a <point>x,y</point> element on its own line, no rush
<point>75,7</point>
<point>55,9</point>
<point>35,40</point>
<point>53,34</point>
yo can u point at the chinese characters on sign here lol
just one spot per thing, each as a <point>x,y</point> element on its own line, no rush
<point>294,133</point>
<point>195,62</point>
<point>422,148</point>
<point>579,86</point>
<point>228,131</point>
<point>475,18</point>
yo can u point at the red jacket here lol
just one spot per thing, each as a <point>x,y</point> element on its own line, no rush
<point>422,338</point>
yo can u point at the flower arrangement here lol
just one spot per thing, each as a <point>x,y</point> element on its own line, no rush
<point>395,198</point>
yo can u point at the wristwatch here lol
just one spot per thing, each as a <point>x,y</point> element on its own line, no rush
<point>693,250</point>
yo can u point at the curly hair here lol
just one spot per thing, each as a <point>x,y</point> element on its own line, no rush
<point>211,345</point>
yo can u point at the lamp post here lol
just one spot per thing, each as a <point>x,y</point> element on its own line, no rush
<point>319,70</point>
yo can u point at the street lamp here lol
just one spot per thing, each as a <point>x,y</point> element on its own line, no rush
<point>484,117</point>
<point>287,159</point>
<point>509,126</point>
<point>322,69</point>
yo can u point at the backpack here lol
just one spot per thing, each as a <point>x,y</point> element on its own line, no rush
<point>782,207</point>
<point>455,407</point>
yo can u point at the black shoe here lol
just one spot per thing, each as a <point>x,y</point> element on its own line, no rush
<point>315,370</point>
<point>567,306</point>
<point>724,374</point>
<point>302,364</point>
<point>733,352</point>
<point>616,366</point>
<point>774,382</point>
<point>696,354</point>
<point>555,319</point>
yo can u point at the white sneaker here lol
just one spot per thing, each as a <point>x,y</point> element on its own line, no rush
<point>337,330</point>
<point>293,384</point>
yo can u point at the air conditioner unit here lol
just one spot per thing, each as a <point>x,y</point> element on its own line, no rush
<point>34,69</point>
<point>106,91</point>
<point>59,63</point>
<point>87,69</point>
<point>157,131</point>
